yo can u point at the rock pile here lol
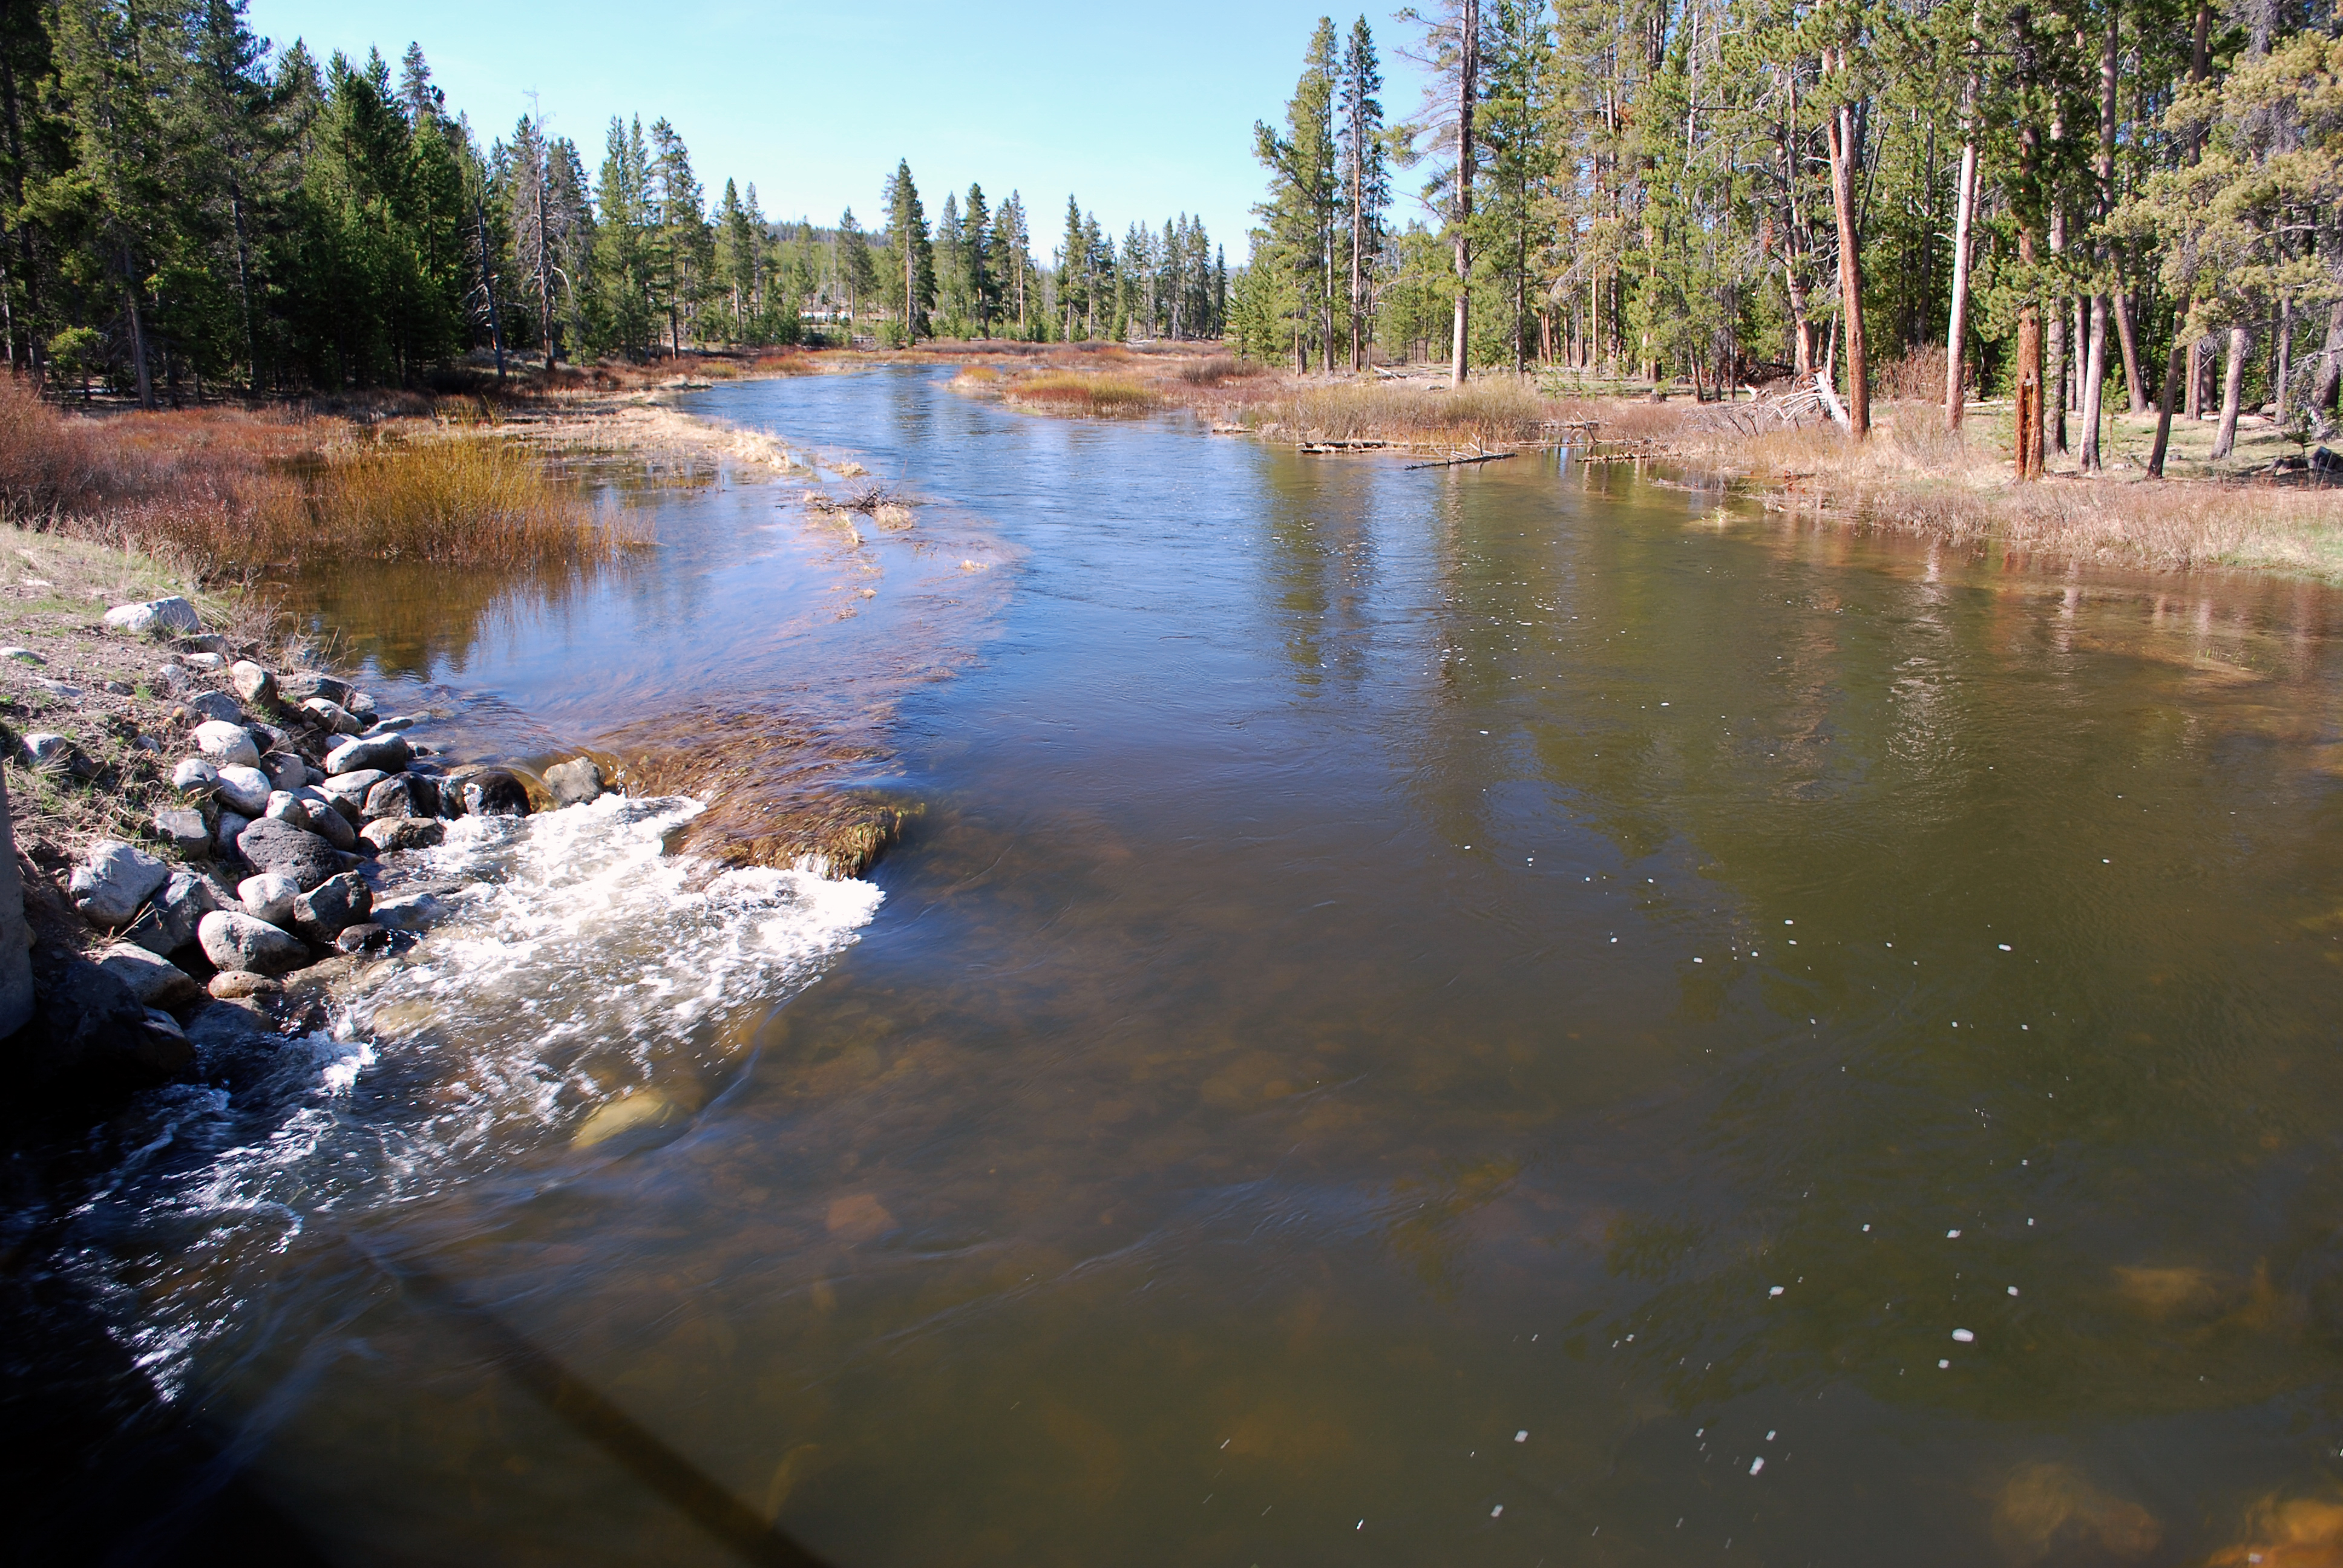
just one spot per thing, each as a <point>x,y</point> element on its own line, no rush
<point>291,788</point>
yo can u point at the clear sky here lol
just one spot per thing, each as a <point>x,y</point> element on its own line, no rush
<point>1141,112</point>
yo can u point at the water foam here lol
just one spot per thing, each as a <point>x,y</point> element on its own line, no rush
<point>577,960</point>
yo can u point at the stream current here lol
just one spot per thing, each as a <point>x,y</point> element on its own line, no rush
<point>1495,1015</point>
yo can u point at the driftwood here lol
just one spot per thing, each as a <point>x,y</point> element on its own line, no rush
<point>1461,460</point>
<point>1351,445</point>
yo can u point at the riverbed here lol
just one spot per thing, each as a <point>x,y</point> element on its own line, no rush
<point>1503,1014</point>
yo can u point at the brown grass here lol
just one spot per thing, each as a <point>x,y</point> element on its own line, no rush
<point>1081,392</point>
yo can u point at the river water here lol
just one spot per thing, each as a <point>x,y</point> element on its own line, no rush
<point>1520,1014</point>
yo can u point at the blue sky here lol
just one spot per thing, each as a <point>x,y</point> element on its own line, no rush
<point>1141,112</point>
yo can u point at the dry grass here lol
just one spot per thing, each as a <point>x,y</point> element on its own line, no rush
<point>1081,392</point>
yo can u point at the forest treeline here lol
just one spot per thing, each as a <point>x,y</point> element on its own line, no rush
<point>183,210</point>
<point>2060,201</point>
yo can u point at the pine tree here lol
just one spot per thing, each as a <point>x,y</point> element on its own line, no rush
<point>912,284</point>
<point>855,271</point>
<point>980,280</point>
<point>1300,217</point>
<point>1363,155</point>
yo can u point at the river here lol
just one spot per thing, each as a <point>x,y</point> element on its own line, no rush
<point>1503,1015</point>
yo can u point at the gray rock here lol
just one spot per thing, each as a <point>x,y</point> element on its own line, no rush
<point>302,685</point>
<point>391,726</point>
<point>90,1032</point>
<point>223,743</point>
<point>112,880</point>
<point>185,830</point>
<point>332,716</point>
<point>234,941</point>
<point>154,980</point>
<point>337,902</point>
<point>269,845</point>
<point>575,782</point>
<point>348,790</point>
<point>174,680</point>
<point>216,705</point>
<point>286,770</point>
<point>286,807</point>
<point>22,655</point>
<point>252,683</point>
<point>493,793</point>
<point>155,615</point>
<point>195,777</point>
<point>390,752</point>
<point>163,1023</point>
<point>366,937</point>
<point>409,911</point>
<point>210,663</point>
<point>16,934</point>
<point>56,754</point>
<point>168,921</point>
<point>230,984</point>
<point>244,791</point>
<point>225,837</point>
<point>390,834</point>
<point>268,896</point>
<point>360,705</point>
<point>326,819</point>
<point>396,796</point>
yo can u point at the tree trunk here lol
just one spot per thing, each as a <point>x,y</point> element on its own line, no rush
<point>2028,408</point>
<point>1850,270</point>
<point>2054,369</point>
<point>489,285</point>
<point>2095,381</point>
<point>2174,368</point>
<point>2285,356</point>
<point>2330,380</point>
<point>1468,93</point>
<point>1957,330</point>
<point>2233,387</point>
<point>2128,335</point>
<point>138,349</point>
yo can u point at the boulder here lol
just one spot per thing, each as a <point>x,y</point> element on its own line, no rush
<point>252,683</point>
<point>304,685</point>
<point>286,770</point>
<point>396,796</point>
<point>391,726</point>
<point>332,906</point>
<point>185,830</point>
<point>332,716</point>
<point>112,880</point>
<point>575,782</point>
<point>210,661</point>
<point>244,791</point>
<point>268,844</point>
<point>390,834</point>
<point>229,984</point>
<point>168,921</point>
<point>224,743</point>
<point>409,911</point>
<point>268,896</point>
<point>325,819</point>
<point>225,837</point>
<point>22,655</point>
<point>154,980</point>
<point>195,777</point>
<point>56,754</point>
<point>493,793</point>
<point>360,705</point>
<point>216,705</point>
<point>234,941</point>
<point>388,752</point>
<point>16,934</point>
<point>348,790</point>
<point>155,615</point>
<point>90,1032</point>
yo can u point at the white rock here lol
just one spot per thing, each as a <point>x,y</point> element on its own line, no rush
<point>194,776</point>
<point>208,662</point>
<point>333,715</point>
<point>112,880</point>
<point>172,614</point>
<point>235,941</point>
<point>252,683</point>
<point>222,742</point>
<point>268,896</point>
<point>244,790</point>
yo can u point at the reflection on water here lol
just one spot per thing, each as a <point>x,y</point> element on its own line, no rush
<point>1432,1017</point>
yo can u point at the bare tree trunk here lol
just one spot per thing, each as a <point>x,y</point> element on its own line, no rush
<point>2095,382</point>
<point>2173,370</point>
<point>2128,335</point>
<point>2329,379</point>
<point>2285,356</point>
<point>2233,387</point>
<point>1842,153</point>
<point>488,284</point>
<point>1468,92</point>
<point>138,349</point>
<point>2054,369</point>
<point>1956,331</point>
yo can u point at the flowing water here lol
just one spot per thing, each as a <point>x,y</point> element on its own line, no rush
<point>1504,1015</point>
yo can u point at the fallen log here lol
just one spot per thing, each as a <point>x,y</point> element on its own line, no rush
<point>1462,459</point>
